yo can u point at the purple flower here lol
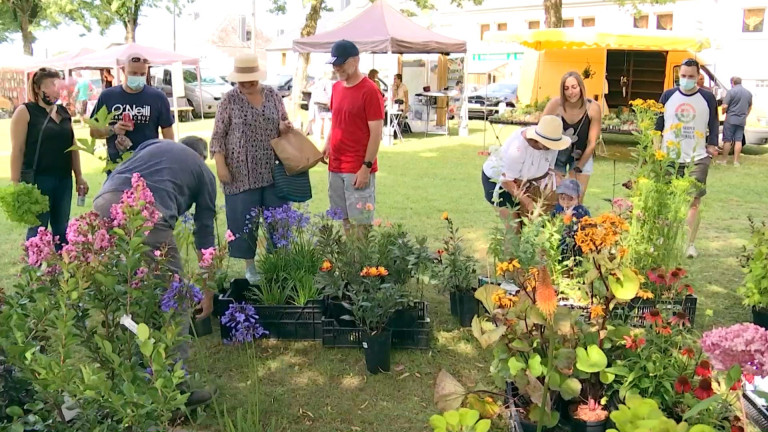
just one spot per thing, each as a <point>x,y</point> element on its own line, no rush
<point>335,213</point>
<point>242,319</point>
<point>180,295</point>
<point>741,344</point>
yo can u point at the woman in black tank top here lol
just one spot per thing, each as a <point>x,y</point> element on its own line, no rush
<point>41,133</point>
<point>582,119</point>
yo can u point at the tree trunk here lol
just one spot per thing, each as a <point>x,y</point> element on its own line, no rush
<point>300,77</point>
<point>26,35</point>
<point>130,30</point>
<point>553,13</point>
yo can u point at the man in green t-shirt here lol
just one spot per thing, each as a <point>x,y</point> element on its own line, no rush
<point>82,93</point>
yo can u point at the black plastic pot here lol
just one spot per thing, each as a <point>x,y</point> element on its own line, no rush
<point>529,426</point>
<point>404,318</point>
<point>468,307</point>
<point>578,425</point>
<point>335,310</point>
<point>454,303</point>
<point>202,327</point>
<point>377,348</point>
<point>760,317</point>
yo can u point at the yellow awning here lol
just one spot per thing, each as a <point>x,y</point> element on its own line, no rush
<point>575,38</point>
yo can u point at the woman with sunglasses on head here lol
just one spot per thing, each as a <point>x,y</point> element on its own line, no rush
<point>41,134</point>
<point>582,122</point>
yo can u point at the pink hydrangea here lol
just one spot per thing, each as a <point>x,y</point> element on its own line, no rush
<point>741,344</point>
<point>229,236</point>
<point>207,257</point>
<point>40,247</point>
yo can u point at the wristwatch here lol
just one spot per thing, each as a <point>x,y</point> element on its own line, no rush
<point>577,169</point>
<point>368,164</point>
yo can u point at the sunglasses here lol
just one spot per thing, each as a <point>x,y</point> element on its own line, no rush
<point>139,60</point>
<point>690,62</point>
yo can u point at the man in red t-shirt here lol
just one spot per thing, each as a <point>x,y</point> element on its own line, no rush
<point>357,117</point>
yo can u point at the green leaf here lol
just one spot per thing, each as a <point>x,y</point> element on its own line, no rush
<point>546,418</point>
<point>625,286</point>
<point>468,417</point>
<point>515,366</point>
<point>438,423</point>
<point>534,366</point>
<point>485,295</point>
<point>146,346</point>
<point>452,417</point>
<point>606,377</point>
<point>483,425</point>
<point>591,360</point>
<point>14,411</point>
<point>570,388</point>
<point>733,376</point>
<point>564,359</point>
<point>486,339</point>
<point>142,332</point>
<point>17,427</point>
<point>706,403</point>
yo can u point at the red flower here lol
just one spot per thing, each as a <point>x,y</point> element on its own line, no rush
<point>675,275</point>
<point>653,316</point>
<point>737,428</point>
<point>440,252</point>
<point>749,378</point>
<point>704,369</point>
<point>657,276</point>
<point>682,385</point>
<point>736,386</point>
<point>664,330</point>
<point>688,352</point>
<point>680,318</point>
<point>686,287</point>
<point>704,390</point>
<point>633,344</point>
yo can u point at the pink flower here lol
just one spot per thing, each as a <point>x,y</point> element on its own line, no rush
<point>620,205</point>
<point>69,253</point>
<point>39,247</point>
<point>141,272</point>
<point>157,253</point>
<point>743,344</point>
<point>101,240</point>
<point>207,258</point>
<point>229,236</point>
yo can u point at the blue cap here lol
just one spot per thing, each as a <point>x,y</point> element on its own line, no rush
<point>341,51</point>
<point>569,187</point>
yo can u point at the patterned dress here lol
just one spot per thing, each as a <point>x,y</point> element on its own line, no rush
<point>242,133</point>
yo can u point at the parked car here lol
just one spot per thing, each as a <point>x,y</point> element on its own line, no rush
<point>213,88</point>
<point>485,102</point>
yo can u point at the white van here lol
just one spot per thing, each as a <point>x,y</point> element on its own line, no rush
<point>213,88</point>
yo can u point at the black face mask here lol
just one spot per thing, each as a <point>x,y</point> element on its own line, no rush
<point>46,99</point>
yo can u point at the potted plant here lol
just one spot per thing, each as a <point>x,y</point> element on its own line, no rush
<point>372,304</point>
<point>455,271</point>
<point>755,263</point>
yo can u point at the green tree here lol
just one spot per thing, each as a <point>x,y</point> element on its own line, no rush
<point>125,12</point>
<point>22,16</point>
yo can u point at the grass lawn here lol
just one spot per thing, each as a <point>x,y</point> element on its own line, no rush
<point>304,387</point>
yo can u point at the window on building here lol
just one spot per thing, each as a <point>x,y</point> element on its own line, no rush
<point>501,26</point>
<point>588,22</point>
<point>534,25</point>
<point>568,22</point>
<point>753,20</point>
<point>284,58</point>
<point>664,21</point>
<point>641,21</point>
<point>761,83</point>
<point>484,28</point>
<point>344,4</point>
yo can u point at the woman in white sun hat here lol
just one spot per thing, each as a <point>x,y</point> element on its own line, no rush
<point>249,117</point>
<point>521,171</point>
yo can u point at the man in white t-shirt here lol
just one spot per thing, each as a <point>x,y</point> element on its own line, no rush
<point>691,113</point>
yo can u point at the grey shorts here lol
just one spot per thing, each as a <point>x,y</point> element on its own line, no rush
<point>699,171</point>
<point>733,133</point>
<point>356,205</point>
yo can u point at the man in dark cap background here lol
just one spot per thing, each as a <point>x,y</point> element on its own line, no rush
<point>357,118</point>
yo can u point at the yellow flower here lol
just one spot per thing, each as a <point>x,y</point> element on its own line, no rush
<point>596,311</point>
<point>501,298</point>
<point>645,294</point>
<point>655,133</point>
<point>623,252</point>
<point>444,216</point>
<point>642,179</point>
<point>676,126</point>
<point>660,155</point>
<point>699,134</point>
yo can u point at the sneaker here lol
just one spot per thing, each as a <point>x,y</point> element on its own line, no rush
<point>691,252</point>
<point>199,398</point>
<point>736,164</point>
<point>720,162</point>
<point>252,275</point>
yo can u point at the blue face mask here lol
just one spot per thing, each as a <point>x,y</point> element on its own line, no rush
<point>136,82</point>
<point>687,84</point>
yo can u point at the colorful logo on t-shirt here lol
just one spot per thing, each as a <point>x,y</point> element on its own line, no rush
<point>139,114</point>
<point>685,113</point>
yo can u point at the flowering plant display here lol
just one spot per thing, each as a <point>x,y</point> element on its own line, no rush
<point>456,268</point>
<point>755,263</point>
<point>659,197</point>
<point>667,284</point>
<point>242,320</point>
<point>106,311</point>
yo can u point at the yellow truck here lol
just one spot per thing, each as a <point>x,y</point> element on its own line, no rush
<point>617,68</point>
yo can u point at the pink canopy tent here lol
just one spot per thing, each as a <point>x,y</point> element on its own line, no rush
<point>382,29</point>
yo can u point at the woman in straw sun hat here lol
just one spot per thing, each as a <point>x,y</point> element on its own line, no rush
<point>522,170</point>
<point>249,117</point>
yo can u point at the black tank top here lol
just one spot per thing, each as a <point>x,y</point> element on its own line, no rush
<point>53,159</point>
<point>578,131</point>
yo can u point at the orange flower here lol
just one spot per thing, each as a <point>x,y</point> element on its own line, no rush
<point>688,352</point>
<point>501,298</point>
<point>645,294</point>
<point>567,218</point>
<point>444,216</point>
<point>596,311</point>
<point>369,207</point>
<point>440,252</point>
<point>532,279</point>
<point>546,297</point>
<point>382,271</point>
<point>377,222</point>
<point>326,266</point>
<point>664,330</point>
<point>654,317</point>
<point>623,252</point>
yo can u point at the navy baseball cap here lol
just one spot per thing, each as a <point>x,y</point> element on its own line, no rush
<point>341,51</point>
<point>569,187</point>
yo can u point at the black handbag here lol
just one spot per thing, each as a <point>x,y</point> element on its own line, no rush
<point>294,188</point>
<point>28,175</point>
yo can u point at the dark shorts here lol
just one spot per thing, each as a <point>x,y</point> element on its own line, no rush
<point>82,107</point>
<point>505,199</point>
<point>699,172</point>
<point>733,133</point>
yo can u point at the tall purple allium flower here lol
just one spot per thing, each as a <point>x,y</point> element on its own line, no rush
<point>335,213</point>
<point>242,319</point>
<point>180,295</point>
<point>743,344</point>
<point>283,224</point>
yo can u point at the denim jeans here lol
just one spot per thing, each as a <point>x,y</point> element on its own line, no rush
<point>58,189</point>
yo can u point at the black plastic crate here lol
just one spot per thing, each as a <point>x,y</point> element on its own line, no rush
<point>756,413</point>
<point>336,336</point>
<point>633,313</point>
